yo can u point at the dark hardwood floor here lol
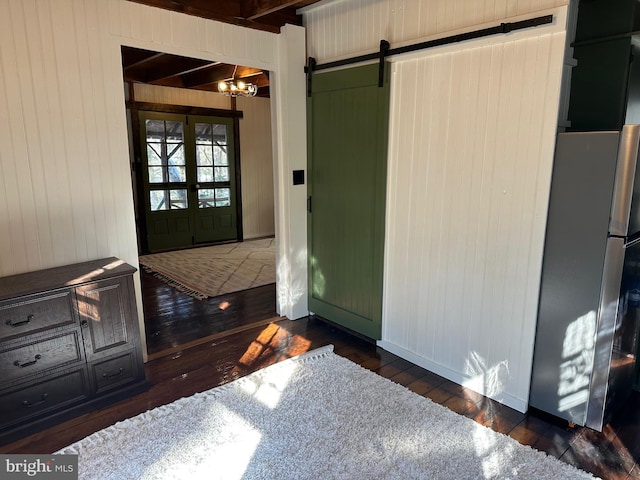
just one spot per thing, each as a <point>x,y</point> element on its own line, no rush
<point>613,454</point>
<point>172,318</point>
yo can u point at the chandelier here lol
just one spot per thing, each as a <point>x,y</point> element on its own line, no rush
<point>238,88</point>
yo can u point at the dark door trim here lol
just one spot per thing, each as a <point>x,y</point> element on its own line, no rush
<point>184,110</point>
<point>136,168</point>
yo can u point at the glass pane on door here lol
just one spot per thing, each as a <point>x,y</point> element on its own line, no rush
<point>174,131</point>
<point>223,197</point>
<point>214,197</point>
<point>222,174</point>
<point>175,199</point>
<point>206,198</point>
<point>165,153</point>
<point>212,160</point>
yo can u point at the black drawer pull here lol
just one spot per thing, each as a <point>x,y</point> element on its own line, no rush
<point>26,364</point>
<point>111,375</point>
<point>17,324</point>
<point>29,404</point>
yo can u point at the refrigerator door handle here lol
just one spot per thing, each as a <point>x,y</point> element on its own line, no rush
<point>605,332</point>
<point>623,184</point>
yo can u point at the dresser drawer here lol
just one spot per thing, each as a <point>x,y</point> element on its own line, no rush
<point>26,359</point>
<point>26,315</point>
<point>114,372</point>
<point>51,393</point>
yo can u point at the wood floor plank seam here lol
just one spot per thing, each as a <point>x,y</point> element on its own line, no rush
<point>215,336</point>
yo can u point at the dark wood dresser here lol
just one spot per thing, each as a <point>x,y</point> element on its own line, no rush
<point>69,343</point>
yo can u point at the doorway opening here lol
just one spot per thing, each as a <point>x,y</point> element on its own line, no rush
<point>202,175</point>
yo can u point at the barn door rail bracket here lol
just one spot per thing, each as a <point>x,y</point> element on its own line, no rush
<point>308,69</point>
<point>386,51</point>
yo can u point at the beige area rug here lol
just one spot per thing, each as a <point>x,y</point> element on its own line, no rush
<point>316,416</point>
<point>211,271</point>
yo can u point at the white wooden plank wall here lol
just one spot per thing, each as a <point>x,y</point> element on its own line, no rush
<point>65,185</point>
<point>342,28</point>
<point>180,96</point>
<point>60,179</point>
<point>470,162</point>
<point>257,167</point>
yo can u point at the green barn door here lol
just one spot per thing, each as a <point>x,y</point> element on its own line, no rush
<point>347,121</point>
<point>189,180</point>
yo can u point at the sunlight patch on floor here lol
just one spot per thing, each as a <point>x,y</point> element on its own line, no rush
<point>269,393</point>
<point>494,459</point>
<point>229,460</point>
<point>273,344</point>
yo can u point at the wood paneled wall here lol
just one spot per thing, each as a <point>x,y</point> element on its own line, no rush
<point>61,183</point>
<point>257,167</point>
<point>180,96</point>
<point>65,184</point>
<point>469,165</point>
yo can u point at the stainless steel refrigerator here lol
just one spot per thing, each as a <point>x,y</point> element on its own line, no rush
<point>585,345</point>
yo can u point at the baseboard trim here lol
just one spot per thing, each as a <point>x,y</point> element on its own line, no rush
<point>454,376</point>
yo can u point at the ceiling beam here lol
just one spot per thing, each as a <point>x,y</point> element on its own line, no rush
<point>254,9</point>
<point>208,75</point>
<point>226,11</point>
<point>165,66</point>
<point>180,79</point>
<point>131,57</point>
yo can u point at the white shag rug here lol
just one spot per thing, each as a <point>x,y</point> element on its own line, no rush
<point>314,416</point>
